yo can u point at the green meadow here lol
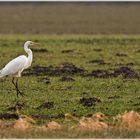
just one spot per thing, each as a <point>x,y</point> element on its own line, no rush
<point>76,74</point>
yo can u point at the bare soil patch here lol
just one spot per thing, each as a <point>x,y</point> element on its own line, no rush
<point>99,62</point>
<point>121,55</point>
<point>8,116</point>
<point>97,50</point>
<point>88,102</point>
<point>68,51</point>
<point>47,105</point>
<point>126,72</point>
<point>67,79</point>
<point>63,69</point>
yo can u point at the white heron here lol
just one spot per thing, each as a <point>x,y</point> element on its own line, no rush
<point>17,65</point>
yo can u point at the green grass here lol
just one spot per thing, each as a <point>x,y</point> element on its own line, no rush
<point>66,95</point>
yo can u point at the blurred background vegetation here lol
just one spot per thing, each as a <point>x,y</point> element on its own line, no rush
<point>69,17</point>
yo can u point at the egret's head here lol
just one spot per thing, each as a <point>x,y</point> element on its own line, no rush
<point>30,43</point>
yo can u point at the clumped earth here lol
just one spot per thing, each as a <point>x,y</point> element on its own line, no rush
<point>70,69</point>
<point>67,79</point>
<point>8,116</point>
<point>121,55</point>
<point>46,80</point>
<point>47,105</point>
<point>17,106</point>
<point>63,69</point>
<point>97,50</point>
<point>126,72</point>
<point>88,102</point>
<point>97,123</point>
<point>68,51</point>
<point>99,62</point>
<point>114,97</point>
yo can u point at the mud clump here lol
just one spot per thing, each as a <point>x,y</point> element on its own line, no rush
<point>121,55</point>
<point>24,122</point>
<point>98,50</point>
<point>63,69</point>
<point>67,79</point>
<point>130,64</point>
<point>53,125</point>
<point>17,106</point>
<point>47,105</point>
<point>46,80</point>
<point>99,62</point>
<point>100,74</point>
<point>40,50</point>
<point>95,122</point>
<point>129,120</point>
<point>88,102</point>
<point>126,72</point>
<point>67,51</point>
<point>136,104</point>
<point>8,116</point>
<point>113,97</point>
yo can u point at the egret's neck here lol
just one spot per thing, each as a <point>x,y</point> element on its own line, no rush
<point>29,52</point>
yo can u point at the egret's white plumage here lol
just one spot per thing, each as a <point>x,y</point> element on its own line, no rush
<point>17,65</point>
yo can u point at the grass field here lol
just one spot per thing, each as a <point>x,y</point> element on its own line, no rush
<point>85,74</point>
<point>76,74</point>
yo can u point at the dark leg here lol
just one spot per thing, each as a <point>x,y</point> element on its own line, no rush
<point>13,81</point>
<point>16,86</point>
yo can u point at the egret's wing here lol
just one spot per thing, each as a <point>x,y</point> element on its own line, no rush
<point>14,66</point>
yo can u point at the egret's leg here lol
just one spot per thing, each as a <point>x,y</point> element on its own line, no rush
<point>13,82</point>
<point>18,91</point>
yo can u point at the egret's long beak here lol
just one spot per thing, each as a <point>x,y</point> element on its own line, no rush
<point>35,43</point>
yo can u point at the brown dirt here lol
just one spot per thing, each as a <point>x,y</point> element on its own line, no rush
<point>129,120</point>
<point>8,116</point>
<point>47,105</point>
<point>46,79</point>
<point>67,51</point>
<point>99,74</point>
<point>18,105</point>
<point>114,97</point>
<point>99,62</point>
<point>126,72</point>
<point>63,69</point>
<point>88,102</point>
<point>97,50</point>
<point>93,123</point>
<point>67,79</point>
<point>121,55</point>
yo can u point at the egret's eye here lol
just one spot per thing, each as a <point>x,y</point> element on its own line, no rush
<point>31,43</point>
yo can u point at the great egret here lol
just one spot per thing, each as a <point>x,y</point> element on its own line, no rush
<point>17,65</point>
